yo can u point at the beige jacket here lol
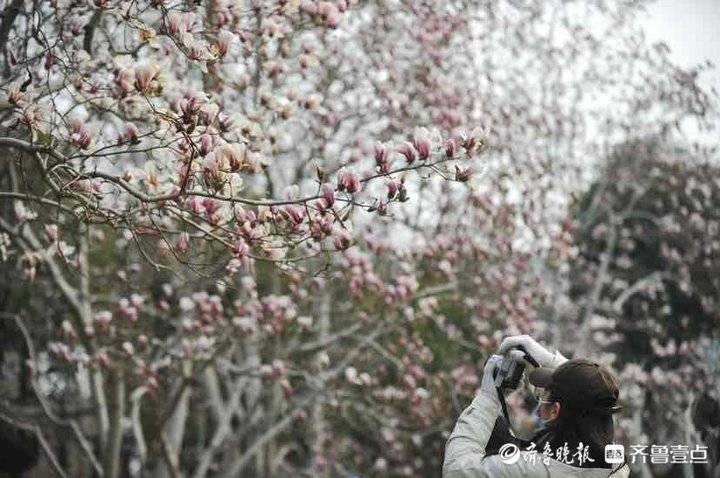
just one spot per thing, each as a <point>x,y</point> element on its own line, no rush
<point>465,452</point>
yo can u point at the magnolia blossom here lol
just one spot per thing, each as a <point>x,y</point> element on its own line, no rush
<point>144,76</point>
<point>349,182</point>
<point>407,150</point>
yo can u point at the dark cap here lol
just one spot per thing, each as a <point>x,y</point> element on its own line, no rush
<point>580,384</point>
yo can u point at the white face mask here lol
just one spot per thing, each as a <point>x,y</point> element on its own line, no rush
<point>537,419</point>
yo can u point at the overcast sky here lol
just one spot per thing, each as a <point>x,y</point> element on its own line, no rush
<point>691,28</point>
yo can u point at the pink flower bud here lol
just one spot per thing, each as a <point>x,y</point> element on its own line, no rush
<point>240,249</point>
<point>348,182</point>
<point>450,148</point>
<point>175,23</point>
<point>381,158</point>
<point>408,151</point>
<point>131,133</point>
<point>225,39</point>
<point>80,135</point>
<point>208,113</point>
<point>124,81</point>
<point>144,75</point>
<point>294,213</point>
<point>183,242</point>
<point>422,145</point>
<point>51,231</point>
<point>195,204</point>
<point>392,187</point>
<point>211,206</point>
<point>226,122</point>
<point>328,193</point>
<point>206,142</point>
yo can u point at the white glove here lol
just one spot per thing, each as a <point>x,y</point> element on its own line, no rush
<point>487,386</point>
<point>542,356</point>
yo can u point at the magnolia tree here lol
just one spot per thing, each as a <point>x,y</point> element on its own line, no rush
<point>238,230</point>
<point>208,137</point>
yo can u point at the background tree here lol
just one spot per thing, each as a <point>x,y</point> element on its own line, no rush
<point>254,238</point>
<point>645,279</point>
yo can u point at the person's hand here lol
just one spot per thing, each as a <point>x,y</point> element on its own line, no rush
<point>487,386</point>
<point>542,356</point>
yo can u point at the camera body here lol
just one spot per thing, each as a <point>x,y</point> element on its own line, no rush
<point>508,374</point>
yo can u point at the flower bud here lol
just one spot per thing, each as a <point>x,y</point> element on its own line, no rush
<point>348,182</point>
<point>462,174</point>
<point>408,151</point>
<point>328,193</point>
<point>422,146</point>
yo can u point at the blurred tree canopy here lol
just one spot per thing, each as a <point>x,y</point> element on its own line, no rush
<point>646,280</point>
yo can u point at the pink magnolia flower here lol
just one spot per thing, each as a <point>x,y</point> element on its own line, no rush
<point>240,249</point>
<point>144,75</point>
<point>349,182</point>
<point>235,155</point>
<point>226,122</point>
<point>131,133</point>
<point>408,151</point>
<point>328,194</point>
<point>189,106</point>
<point>393,187</point>
<point>211,206</point>
<point>294,214</point>
<point>212,173</point>
<point>422,146</point>
<point>175,23</point>
<point>80,136</point>
<point>208,113</point>
<point>194,203</point>
<point>450,148</point>
<point>51,231</point>
<point>381,158</point>
<point>124,79</point>
<point>206,143</point>
<point>225,39</point>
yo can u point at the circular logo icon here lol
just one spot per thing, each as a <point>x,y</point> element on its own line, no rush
<point>509,453</point>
